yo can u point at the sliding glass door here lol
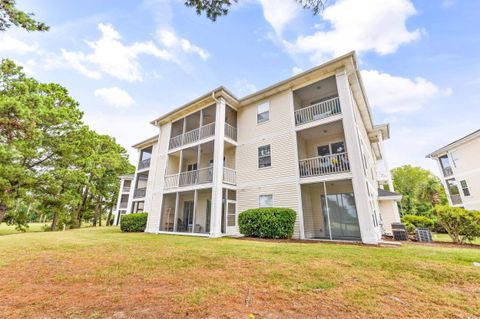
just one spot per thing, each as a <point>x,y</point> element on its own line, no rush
<point>340,217</point>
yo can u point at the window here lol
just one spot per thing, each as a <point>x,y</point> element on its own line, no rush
<point>455,159</point>
<point>323,150</point>
<point>263,112</point>
<point>192,167</point>
<point>264,156</point>
<point>333,148</point>
<point>466,191</point>
<point>338,147</point>
<point>265,200</point>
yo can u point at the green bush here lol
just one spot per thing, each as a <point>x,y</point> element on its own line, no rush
<point>133,222</point>
<point>419,221</point>
<point>268,222</point>
<point>461,225</point>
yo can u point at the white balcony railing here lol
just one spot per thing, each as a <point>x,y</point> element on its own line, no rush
<point>192,136</point>
<point>318,111</point>
<point>229,176</point>
<point>230,131</point>
<point>140,192</point>
<point>447,171</point>
<point>456,199</point>
<point>144,164</point>
<point>200,176</point>
<point>324,165</point>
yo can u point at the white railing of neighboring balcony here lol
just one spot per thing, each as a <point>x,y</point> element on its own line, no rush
<point>229,176</point>
<point>230,131</point>
<point>140,192</point>
<point>144,164</point>
<point>324,165</point>
<point>456,199</point>
<point>317,111</point>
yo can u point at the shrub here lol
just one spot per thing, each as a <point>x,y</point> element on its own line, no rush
<point>419,221</point>
<point>461,225</point>
<point>267,222</point>
<point>134,222</point>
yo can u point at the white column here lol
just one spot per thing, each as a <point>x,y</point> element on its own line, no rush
<point>297,172</point>
<point>117,209</point>
<point>364,210</point>
<point>218,154</point>
<point>158,168</point>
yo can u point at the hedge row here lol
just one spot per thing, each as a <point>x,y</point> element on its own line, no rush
<point>267,222</point>
<point>134,222</point>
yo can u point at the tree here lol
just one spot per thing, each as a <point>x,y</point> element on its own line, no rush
<point>421,189</point>
<point>48,157</point>
<point>9,15</point>
<point>461,225</point>
<point>217,8</point>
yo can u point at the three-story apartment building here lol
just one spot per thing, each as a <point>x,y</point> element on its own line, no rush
<point>308,143</point>
<point>460,170</point>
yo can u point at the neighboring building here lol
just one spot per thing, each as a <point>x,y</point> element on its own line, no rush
<point>124,197</point>
<point>460,170</point>
<point>307,143</point>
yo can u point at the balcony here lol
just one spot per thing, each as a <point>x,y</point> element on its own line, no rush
<point>324,165</point>
<point>144,164</point>
<point>123,204</point>
<point>140,192</point>
<point>230,131</point>
<point>197,177</point>
<point>447,171</point>
<point>229,176</point>
<point>192,136</point>
<point>126,189</point>
<point>456,199</point>
<point>318,111</point>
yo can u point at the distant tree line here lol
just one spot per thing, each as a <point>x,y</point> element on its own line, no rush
<point>52,166</point>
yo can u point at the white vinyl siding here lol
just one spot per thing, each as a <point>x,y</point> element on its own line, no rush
<point>280,179</point>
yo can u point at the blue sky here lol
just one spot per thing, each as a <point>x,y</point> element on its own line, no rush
<point>127,62</point>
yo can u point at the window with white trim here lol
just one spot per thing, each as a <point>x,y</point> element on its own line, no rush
<point>332,148</point>
<point>265,200</point>
<point>264,156</point>
<point>455,159</point>
<point>263,112</point>
<point>465,190</point>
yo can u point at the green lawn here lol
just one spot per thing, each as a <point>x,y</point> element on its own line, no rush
<point>32,227</point>
<point>447,239</point>
<point>98,273</point>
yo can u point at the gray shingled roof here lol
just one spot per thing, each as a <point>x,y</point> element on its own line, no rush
<point>385,193</point>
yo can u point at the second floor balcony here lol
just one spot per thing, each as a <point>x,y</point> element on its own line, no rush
<point>197,177</point>
<point>324,165</point>
<point>140,192</point>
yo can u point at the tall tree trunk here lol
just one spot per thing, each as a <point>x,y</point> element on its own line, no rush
<point>109,216</point>
<point>96,212</point>
<point>3,212</point>
<point>53,227</point>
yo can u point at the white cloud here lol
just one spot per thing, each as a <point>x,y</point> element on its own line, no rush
<point>279,13</point>
<point>296,70</point>
<point>7,43</point>
<point>171,41</point>
<point>394,94</point>
<point>115,97</point>
<point>368,25</point>
<point>113,57</point>
<point>243,87</point>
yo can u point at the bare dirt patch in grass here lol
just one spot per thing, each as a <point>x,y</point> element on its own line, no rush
<point>102,273</point>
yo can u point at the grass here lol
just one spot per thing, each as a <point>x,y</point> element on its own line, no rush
<point>445,238</point>
<point>97,273</point>
<point>10,229</point>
